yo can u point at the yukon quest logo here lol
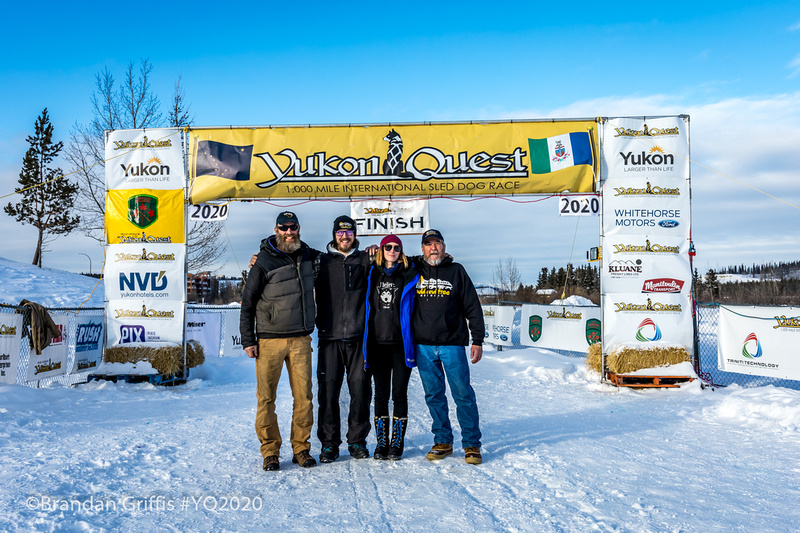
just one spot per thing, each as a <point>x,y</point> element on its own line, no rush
<point>131,333</point>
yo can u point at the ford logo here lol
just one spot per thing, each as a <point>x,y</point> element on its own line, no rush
<point>668,223</point>
<point>503,337</point>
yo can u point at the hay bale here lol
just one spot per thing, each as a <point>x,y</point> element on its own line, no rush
<point>167,360</point>
<point>624,359</point>
<point>594,358</point>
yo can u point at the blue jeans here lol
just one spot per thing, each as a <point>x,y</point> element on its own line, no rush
<point>434,363</point>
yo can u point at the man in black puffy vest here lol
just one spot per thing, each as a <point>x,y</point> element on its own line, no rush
<point>276,322</point>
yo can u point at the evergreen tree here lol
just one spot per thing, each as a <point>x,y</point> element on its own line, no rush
<point>47,197</point>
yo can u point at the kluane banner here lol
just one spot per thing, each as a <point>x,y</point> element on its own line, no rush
<point>393,160</point>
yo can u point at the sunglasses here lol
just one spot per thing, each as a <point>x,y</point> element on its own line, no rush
<point>392,247</point>
<point>343,232</point>
<point>287,227</point>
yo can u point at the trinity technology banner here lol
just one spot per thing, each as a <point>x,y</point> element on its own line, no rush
<point>382,217</point>
<point>53,359</point>
<point>10,335</point>
<point>760,341</point>
<point>648,320</point>
<point>145,216</point>
<point>646,147</point>
<point>560,327</point>
<point>393,160</point>
<point>145,159</point>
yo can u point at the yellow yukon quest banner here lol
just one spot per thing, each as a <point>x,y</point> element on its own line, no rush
<point>393,160</point>
<point>142,216</point>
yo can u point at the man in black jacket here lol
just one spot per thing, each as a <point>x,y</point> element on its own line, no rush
<point>278,304</point>
<point>446,301</point>
<point>341,289</point>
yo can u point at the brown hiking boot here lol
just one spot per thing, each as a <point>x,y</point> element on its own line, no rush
<point>271,463</point>
<point>472,455</point>
<point>439,451</point>
<point>304,459</point>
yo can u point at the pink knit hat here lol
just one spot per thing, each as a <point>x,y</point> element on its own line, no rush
<point>391,239</point>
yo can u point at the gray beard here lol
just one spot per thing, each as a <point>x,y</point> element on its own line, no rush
<point>287,247</point>
<point>434,261</point>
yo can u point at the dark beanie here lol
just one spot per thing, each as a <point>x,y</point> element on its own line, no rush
<point>343,222</point>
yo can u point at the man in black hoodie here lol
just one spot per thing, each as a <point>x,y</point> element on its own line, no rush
<point>446,301</point>
<point>276,321</point>
<point>341,290</point>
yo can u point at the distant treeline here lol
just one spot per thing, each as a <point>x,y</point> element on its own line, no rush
<point>771,284</point>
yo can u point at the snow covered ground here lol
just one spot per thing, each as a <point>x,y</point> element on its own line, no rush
<point>562,452</point>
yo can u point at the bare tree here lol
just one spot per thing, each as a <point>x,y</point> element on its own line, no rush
<point>129,105</point>
<point>506,276</point>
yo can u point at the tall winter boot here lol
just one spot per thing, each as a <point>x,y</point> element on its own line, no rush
<point>398,438</point>
<point>382,435</point>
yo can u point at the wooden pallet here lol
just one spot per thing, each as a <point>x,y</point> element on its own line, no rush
<point>167,380</point>
<point>640,382</point>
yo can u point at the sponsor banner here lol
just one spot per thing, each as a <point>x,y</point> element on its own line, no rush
<point>145,216</point>
<point>53,359</point>
<point>628,267</point>
<point>88,344</point>
<point>560,327</point>
<point>399,160</point>
<point>145,159</point>
<point>128,276</point>
<point>232,341</point>
<point>10,335</point>
<point>579,206</point>
<point>760,341</point>
<point>648,320</point>
<point>382,217</point>
<point>129,321</point>
<point>498,329</point>
<point>205,328</point>
<point>646,206</point>
<point>652,147</point>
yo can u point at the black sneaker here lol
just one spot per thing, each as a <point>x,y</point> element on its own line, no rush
<point>304,459</point>
<point>358,451</point>
<point>328,454</point>
<point>271,463</point>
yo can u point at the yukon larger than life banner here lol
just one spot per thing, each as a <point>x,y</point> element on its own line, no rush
<point>393,160</point>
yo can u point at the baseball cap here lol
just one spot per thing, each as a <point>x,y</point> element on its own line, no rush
<point>431,233</point>
<point>286,216</point>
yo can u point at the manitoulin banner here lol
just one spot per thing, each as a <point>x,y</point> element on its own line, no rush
<point>760,341</point>
<point>145,270</point>
<point>646,272</point>
<point>393,160</point>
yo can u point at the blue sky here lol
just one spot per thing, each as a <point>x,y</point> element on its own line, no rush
<point>733,68</point>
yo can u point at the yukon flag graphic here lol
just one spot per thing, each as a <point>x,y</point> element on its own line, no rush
<point>559,152</point>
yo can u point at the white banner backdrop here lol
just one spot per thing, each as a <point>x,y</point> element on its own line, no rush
<point>145,159</point>
<point>499,330</point>
<point>640,264</point>
<point>205,328</point>
<point>88,344</point>
<point>232,345</point>
<point>148,279</point>
<point>53,359</point>
<point>382,217</point>
<point>760,341</point>
<point>10,335</point>
<point>643,319</point>
<point>560,327</point>
<point>144,321</point>
<point>655,146</point>
<point>488,320</point>
<point>646,206</point>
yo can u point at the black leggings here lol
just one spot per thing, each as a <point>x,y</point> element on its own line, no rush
<point>387,364</point>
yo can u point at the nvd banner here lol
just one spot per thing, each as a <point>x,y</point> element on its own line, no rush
<point>145,272</point>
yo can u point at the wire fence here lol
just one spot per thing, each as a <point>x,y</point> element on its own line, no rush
<point>706,344</point>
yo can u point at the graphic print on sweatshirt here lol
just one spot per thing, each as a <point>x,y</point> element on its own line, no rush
<point>386,292</point>
<point>434,287</point>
